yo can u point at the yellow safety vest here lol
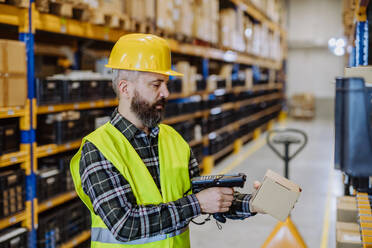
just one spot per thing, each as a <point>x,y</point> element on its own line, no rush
<point>174,155</point>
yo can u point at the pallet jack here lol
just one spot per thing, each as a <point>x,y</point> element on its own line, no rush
<point>285,234</point>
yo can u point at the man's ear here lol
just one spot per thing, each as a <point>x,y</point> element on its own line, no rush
<point>123,88</point>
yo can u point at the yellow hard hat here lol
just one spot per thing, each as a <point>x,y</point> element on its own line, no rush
<point>142,52</point>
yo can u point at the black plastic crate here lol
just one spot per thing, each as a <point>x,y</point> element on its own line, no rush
<point>12,188</point>
<point>9,135</point>
<point>50,182</point>
<point>62,163</point>
<point>13,238</point>
<point>76,220</point>
<point>201,84</point>
<point>49,233</point>
<point>93,89</point>
<point>109,92</point>
<point>72,91</point>
<point>51,130</point>
<point>1,140</point>
<point>175,85</point>
<point>49,91</point>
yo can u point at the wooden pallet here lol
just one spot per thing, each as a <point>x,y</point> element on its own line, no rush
<point>146,27</point>
<point>18,3</point>
<point>112,20</point>
<point>67,9</point>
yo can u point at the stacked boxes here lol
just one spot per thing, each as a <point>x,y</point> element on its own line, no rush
<point>13,73</point>
<point>183,17</point>
<point>206,17</point>
<point>347,228</point>
<point>12,188</point>
<point>164,15</point>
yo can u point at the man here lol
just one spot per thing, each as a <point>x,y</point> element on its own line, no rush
<point>132,173</point>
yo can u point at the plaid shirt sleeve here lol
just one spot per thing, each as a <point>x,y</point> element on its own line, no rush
<point>114,201</point>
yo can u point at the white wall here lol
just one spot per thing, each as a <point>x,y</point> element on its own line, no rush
<point>311,66</point>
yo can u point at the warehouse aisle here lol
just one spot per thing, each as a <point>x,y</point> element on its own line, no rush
<point>311,170</point>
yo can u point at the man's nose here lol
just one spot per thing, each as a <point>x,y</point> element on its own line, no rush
<point>164,93</point>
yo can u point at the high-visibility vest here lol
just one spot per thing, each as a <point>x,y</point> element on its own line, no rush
<point>174,155</point>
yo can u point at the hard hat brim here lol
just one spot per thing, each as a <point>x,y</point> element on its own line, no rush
<point>167,73</point>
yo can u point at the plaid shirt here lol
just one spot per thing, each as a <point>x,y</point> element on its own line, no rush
<point>114,201</point>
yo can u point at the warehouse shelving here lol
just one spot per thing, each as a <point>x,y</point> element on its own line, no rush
<point>77,240</point>
<point>55,201</point>
<point>14,219</point>
<point>10,112</point>
<point>29,152</point>
<point>51,149</point>
<point>257,14</point>
<point>13,158</point>
<point>76,106</point>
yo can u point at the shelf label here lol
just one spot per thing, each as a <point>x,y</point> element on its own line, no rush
<point>63,25</point>
<point>106,102</point>
<point>50,108</point>
<point>49,204</point>
<point>76,105</point>
<point>74,242</point>
<point>68,145</point>
<point>13,159</point>
<point>49,150</point>
<point>12,220</point>
<point>92,104</point>
<point>10,112</point>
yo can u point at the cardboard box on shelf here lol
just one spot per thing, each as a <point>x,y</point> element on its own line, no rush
<point>13,73</point>
<point>347,235</point>
<point>360,71</point>
<point>276,196</point>
<point>347,210</point>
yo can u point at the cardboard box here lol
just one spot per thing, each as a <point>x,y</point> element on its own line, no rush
<point>348,235</point>
<point>360,71</point>
<point>13,73</point>
<point>347,210</point>
<point>276,196</point>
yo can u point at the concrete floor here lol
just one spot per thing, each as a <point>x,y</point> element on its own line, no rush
<point>314,213</point>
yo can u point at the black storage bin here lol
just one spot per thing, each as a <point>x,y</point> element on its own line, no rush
<point>9,135</point>
<point>1,140</point>
<point>50,182</point>
<point>13,238</point>
<point>93,90</point>
<point>175,85</point>
<point>201,84</point>
<point>53,130</point>
<point>221,83</point>
<point>72,91</point>
<point>12,188</point>
<point>76,220</point>
<point>49,233</point>
<point>109,92</point>
<point>49,91</point>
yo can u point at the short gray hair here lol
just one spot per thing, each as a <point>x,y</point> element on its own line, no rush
<point>118,75</point>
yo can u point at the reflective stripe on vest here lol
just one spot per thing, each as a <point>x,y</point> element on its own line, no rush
<point>104,235</point>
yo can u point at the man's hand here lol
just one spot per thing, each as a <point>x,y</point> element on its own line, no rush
<point>215,200</point>
<point>256,186</point>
